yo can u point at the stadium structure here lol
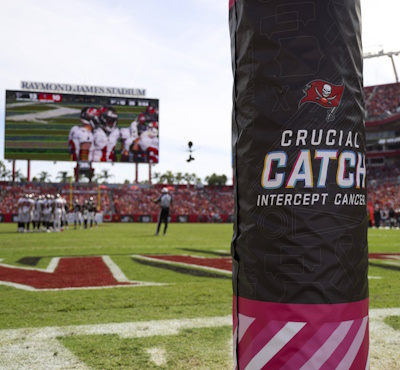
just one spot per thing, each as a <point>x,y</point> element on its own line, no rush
<point>132,203</point>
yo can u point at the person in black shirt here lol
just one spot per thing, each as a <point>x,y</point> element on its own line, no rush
<point>165,201</point>
<point>77,213</point>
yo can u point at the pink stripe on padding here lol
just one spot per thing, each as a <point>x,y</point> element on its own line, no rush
<point>326,349</point>
<point>282,338</point>
<point>245,322</point>
<point>310,347</point>
<point>354,348</point>
<point>342,349</point>
<point>249,347</point>
<point>231,3</point>
<point>330,335</point>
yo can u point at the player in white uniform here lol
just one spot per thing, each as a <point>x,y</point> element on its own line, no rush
<point>47,211</point>
<point>81,137</point>
<point>106,136</point>
<point>129,135</point>
<point>26,211</point>
<point>92,212</point>
<point>37,212</point>
<point>58,210</point>
<point>64,217</point>
<point>148,142</point>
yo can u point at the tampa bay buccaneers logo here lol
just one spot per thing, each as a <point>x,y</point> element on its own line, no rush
<point>325,94</point>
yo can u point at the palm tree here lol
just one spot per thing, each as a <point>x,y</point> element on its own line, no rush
<point>63,176</point>
<point>188,178</point>
<point>19,177</point>
<point>44,176</point>
<point>157,176</point>
<point>178,177</point>
<point>169,177</point>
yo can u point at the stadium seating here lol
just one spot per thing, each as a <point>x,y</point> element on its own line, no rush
<point>204,204</point>
<point>382,101</point>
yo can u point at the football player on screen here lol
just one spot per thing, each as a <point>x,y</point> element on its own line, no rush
<point>106,136</point>
<point>129,135</point>
<point>81,137</point>
<point>148,142</point>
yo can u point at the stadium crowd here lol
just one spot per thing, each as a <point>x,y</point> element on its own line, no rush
<point>208,202</point>
<point>382,101</point>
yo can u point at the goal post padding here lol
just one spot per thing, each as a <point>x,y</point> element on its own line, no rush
<point>299,249</point>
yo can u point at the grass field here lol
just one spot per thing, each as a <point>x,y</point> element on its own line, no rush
<point>175,316</point>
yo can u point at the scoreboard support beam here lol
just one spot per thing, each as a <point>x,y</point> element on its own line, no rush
<point>28,176</point>
<point>13,171</point>
<point>150,173</point>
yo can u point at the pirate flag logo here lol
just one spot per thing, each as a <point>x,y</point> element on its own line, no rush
<point>325,94</point>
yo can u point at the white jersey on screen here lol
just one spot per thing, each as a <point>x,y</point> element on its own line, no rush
<point>149,143</point>
<point>81,140</point>
<point>128,136</point>
<point>104,145</point>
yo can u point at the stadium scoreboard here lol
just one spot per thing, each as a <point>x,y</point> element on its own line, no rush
<point>55,126</point>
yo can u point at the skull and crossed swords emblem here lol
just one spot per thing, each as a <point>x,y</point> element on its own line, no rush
<point>325,96</point>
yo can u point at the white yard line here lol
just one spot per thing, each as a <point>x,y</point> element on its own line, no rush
<point>39,349</point>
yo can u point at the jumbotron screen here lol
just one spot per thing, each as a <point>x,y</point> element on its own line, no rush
<point>72,127</point>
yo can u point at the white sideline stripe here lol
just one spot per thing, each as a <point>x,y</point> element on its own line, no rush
<point>34,348</point>
<point>326,350</point>
<point>375,277</point>
<point>192,266</point>
<point>157,356</point>
<point>274,345</point>
<point>42,342</point>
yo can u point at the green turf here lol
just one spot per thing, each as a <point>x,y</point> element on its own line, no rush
<point>192,349</point>
<point>183,296</point>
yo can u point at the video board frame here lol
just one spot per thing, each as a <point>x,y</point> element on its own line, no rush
<point>80,127</point>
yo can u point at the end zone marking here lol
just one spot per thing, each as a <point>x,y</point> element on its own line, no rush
<point>69,273</point>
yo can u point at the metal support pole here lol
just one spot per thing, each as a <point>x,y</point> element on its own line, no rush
<point>28,176</point>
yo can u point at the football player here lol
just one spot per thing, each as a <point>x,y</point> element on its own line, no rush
<point>129,136</point>
<point>148,142</point>
<point>19,207</point>
<point>47,211</point>
<point>151,113</point>
<point>106,136</point>
<point>92,212</point>
<point>81,137</point>
<point>77,213</point>
<point>37,212</point>
<point>85,213</point>
<point>58,211</point>
<point>24,212</point>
